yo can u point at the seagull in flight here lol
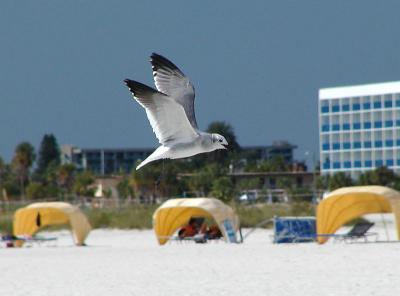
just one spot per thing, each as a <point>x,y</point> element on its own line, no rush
<point>170,110</point>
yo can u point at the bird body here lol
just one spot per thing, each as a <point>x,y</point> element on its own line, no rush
<point>170,110</point>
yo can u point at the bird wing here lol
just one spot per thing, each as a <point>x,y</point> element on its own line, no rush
<point>167,118</point>
<point>171,81</point>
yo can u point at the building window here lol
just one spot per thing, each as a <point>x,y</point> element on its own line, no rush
<point>335,108</point>
<point>356,107</point>
<point>335,127</point>
<point>388,123</point>
<point>336,146</point>
<point>378,124</point>
<point>347,164</point>
<point>389,162</point>
<point>367,144</point>
<point>325,146</point>
<point>346,145</point>
<point>325,127</point>
<point>357,145</point>
<point>378,163</point>
<point>378,144</point>
<point>367,125</point>
<point>327,166</point>
<point>367,106</point>
<point>325,109</point>
<point>368,163</point>
<point>389,143</point>
<point>336,165</point>
<point>388,104</point>
<point>357,164</point>
<point>346,126</point>
<point>346,107</point>
<point>397,103</point>
<point>356,125</point>
<point>377,105</point>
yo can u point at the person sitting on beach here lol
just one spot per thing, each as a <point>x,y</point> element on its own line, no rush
<point>188,230</point>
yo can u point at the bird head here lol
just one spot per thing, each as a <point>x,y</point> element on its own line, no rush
<point>219,141</point>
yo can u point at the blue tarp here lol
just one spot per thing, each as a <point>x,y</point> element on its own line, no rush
<point>294,229</point>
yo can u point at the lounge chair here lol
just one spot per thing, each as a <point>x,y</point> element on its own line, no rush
<point>358,231</point>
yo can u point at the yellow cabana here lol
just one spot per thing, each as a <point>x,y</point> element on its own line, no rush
<point>348,203</point>
<point>28,220</point>
<point>175,213</point>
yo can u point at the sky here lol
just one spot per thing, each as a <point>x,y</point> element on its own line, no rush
<point>257,65</point>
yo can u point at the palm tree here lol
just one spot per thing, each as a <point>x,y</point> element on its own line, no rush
<point>2,168</point>
<point>65,177</point>
<point>339,180</point>
<point>24,157</point>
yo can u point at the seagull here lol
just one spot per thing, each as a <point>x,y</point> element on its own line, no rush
<point>170,110</point>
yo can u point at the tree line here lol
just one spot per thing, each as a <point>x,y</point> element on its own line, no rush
<point>41,175</point>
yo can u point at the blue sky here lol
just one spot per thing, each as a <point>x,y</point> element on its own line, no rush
<point>255,64</point>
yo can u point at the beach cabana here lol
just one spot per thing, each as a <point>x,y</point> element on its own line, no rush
<point>30,219</point>
<point>175,213</point>
<point>348,203</point>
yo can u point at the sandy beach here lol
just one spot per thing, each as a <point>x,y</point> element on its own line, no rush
<point>130,262</point>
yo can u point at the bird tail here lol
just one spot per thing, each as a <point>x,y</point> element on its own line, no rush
<point>160,153</point>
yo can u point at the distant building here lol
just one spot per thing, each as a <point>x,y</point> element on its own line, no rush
<point>278,148</point>
<point>359,128</point>
<point>111,161</point>
<point>104,161</point>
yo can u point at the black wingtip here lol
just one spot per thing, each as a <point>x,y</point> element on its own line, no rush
<point>159,61</point>
<point>139,89</point>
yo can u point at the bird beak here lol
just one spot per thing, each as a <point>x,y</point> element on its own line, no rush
<point>223,147</point>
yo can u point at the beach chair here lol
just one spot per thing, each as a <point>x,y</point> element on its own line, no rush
<point>357,232</point>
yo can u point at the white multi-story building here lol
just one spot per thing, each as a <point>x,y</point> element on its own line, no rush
<point>359,128</point>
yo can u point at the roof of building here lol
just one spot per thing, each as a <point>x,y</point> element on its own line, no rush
<point>360,90</point>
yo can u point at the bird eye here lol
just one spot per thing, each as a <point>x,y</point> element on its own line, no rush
<point>220,140</point>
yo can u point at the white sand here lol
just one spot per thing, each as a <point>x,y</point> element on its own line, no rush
<point>118,262</point>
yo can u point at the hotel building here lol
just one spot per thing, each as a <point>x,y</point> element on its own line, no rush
<point>359,128</point>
